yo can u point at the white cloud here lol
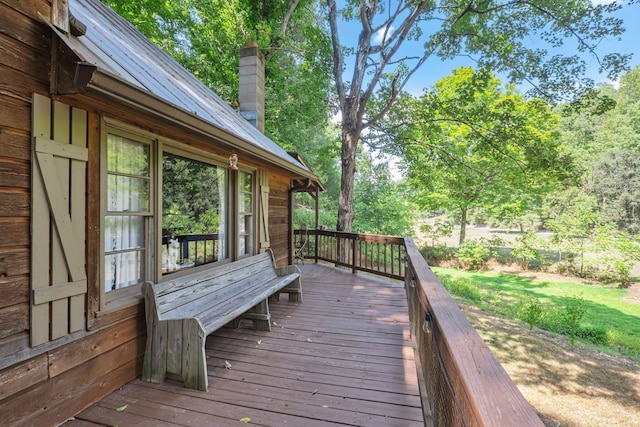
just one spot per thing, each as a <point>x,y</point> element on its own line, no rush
<point>378,37</point>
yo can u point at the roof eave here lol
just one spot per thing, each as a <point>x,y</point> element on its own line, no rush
<point>121,91</point>
<point>96,79</point>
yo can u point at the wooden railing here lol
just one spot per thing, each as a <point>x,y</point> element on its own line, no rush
<point>461,381</point>
<point>381,255</point>
<point>189,250</point>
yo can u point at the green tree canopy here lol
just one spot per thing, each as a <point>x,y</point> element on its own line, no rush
<point>383,206</point>
<point>205,37</point>
<point>517,38</point>
<point>605,147</point>
<point>472,142</point>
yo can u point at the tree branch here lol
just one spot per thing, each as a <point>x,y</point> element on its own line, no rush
<point>283,29</point>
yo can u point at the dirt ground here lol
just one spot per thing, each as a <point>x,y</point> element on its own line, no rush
<point>568,386</point>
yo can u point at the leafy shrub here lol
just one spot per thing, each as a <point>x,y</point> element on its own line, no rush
<point>574,311</point>
<point>473,254</point>
<point>595,334</point>
<point>493,243</point>
<point>438,230</point>
<point>531,312</point>
<point>623,341</point>
<point>524,248</point>
<point>436,255</point>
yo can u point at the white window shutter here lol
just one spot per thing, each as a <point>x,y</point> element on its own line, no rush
<point>58,275</point>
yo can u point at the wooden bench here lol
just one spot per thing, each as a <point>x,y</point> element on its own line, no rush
<point>183,309</point>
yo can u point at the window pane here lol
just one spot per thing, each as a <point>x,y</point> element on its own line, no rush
<point>123,269</point>
<point>127,156</point>
<point>127,194</point>
<point>194,212</point>
<point>242,250</point>
<point>242,224</point>
<point>128,190</point>
<point>246,201</point>
<point>246,182</point>
<point>123,232</point>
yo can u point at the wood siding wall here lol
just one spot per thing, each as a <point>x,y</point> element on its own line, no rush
<point>279,228</point>
<point>46,384</point>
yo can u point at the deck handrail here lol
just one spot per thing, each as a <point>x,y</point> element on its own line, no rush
<point>381,255</point>
<point>461,381</point>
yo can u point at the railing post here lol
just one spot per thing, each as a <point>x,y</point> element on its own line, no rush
<point>354,254</point>
<point>316,238</point>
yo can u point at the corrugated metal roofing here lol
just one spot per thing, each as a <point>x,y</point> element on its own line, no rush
<point>117,47</point>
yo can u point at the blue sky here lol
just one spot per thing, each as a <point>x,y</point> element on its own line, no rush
<point>434,68</point>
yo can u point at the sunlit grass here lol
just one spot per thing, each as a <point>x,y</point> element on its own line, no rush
<point>610,322</point>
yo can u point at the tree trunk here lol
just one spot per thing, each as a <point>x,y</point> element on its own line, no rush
<point>350,138</point>
<point>463,226</point>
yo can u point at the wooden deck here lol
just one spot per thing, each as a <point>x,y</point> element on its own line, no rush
<point>341,358</point>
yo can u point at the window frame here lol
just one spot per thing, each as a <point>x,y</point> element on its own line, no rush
<point>175,149</point>
<point>253,214</point>
<point>113,300</point>
<point>129,296</point>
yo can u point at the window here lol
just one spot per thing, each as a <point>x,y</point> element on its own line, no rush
<point>245,214</point>
<point>194,213</point>
<point>128,218</point>
<point>168,208</point>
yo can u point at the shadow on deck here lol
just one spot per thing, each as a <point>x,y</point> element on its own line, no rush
<point>341,358</point>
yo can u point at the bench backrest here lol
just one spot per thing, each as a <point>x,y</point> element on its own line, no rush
<point>175,296</point>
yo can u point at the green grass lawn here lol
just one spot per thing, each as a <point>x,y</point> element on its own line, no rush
<point>610,322</point>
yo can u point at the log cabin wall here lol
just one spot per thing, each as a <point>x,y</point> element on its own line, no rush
<point>47,383</point>
<point>279,227</point>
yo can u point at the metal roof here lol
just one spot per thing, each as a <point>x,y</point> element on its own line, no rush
<point>117,48</point>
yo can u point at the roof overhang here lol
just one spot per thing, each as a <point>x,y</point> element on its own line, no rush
<point>73,74</point>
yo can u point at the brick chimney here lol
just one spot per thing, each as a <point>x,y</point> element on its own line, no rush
<point>251,92</point>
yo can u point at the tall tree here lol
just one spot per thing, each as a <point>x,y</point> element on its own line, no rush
<point>497,34</point>
<point>472,142</point>
<point>205,35</point>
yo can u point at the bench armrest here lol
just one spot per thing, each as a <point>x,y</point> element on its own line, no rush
<point>287,269</point>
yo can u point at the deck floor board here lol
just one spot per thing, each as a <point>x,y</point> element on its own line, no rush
<point>343,357</point>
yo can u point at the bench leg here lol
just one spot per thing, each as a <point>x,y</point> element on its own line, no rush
<point>194,359</point>
<point>295,290</point>
<point>154,367</point>
<point>260,316</point>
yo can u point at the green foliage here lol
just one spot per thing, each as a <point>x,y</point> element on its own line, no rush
<point>616,252</point>
<point>473,254</point>
<point>525,248</point>
<point>616,182</point>
<point>436,255</point>
<point>464,289</point>
<point>623,341</point>
<point>596,314</point>
<point>193,196</point>
<point>493,244</point>
<point>574,311</point>
<point>205,36</point>
<point>476,143</point>
<point>382,206</point>
<point>497,35</point>
<point>596,334</point>
<point>531,311</point>
<point>437,230</point>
